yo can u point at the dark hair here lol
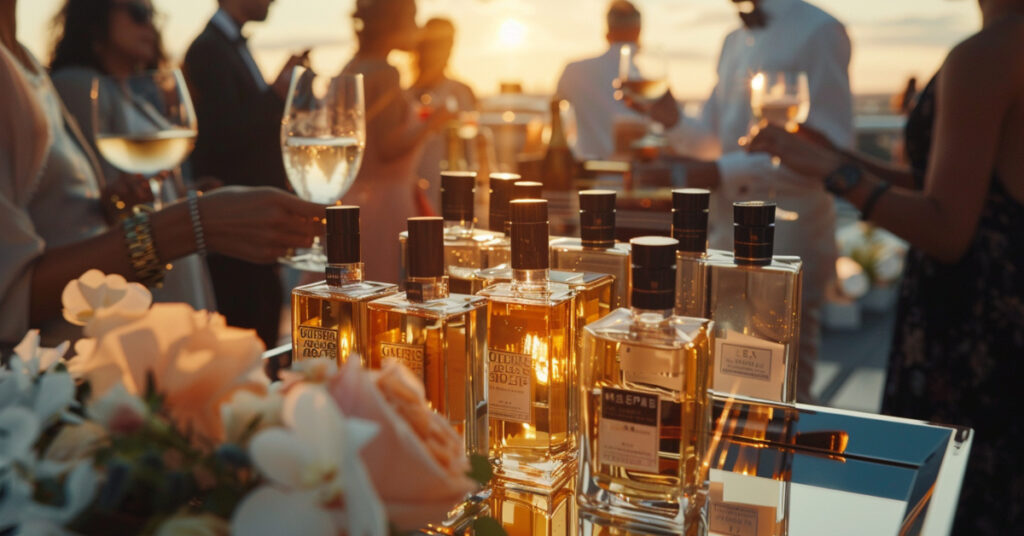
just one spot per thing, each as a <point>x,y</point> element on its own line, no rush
<point>79,26</point>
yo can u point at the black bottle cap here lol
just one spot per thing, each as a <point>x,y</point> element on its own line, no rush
<point>426,247</point>
<point>342,242</point>
<point>529,234</point>
<point>527,190</point>
<point>501,194</point>
<point>457,189</point>
<point>597,218</point>
<point>654,272</point>
<point>690,218</point>
<point>753,232</point>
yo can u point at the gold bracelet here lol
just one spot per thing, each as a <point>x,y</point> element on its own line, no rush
<point>138,236</point>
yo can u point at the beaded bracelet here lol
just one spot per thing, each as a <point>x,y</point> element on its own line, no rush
<point>138,236</point>
<point>197,224</point>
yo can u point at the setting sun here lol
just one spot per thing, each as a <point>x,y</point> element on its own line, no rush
<point>511,33</point>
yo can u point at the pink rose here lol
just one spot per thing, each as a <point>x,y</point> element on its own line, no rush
<point>417,461</point>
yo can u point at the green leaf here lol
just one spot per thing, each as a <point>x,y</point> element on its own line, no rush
<point>488,526</point>
<point>480,469</point>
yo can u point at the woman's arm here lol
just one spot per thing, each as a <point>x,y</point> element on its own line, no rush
<point>387,111</point>
<point>254,224</point>
<point>975,90</point>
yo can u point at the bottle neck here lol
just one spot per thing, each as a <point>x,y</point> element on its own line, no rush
<point>530,280</point>
<point>344,274</point>
<point>424,289</point>
<point>651,316</point>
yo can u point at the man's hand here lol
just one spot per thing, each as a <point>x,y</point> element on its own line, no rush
<point>665,110</point>
<point>284,78</point>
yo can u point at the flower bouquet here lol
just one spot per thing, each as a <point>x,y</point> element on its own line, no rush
<point>163,423</point>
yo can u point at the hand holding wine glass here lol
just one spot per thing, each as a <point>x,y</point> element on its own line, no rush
<point>144,123</point>
<point>323,135</point>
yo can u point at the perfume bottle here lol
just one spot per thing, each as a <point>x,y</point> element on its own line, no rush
<point>497,251</point>
<point>462,239</point>
<point>329,317</point>
<point>530,330</point>
<point>439,335</point>
<point>525,512</point>
<point>596,249</point>
<point>646,409</point>
<point>755,303</point>
<point>690,228</point>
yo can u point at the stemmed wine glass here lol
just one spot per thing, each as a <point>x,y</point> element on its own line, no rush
<point>643,77</point>
<point>780,98</point>
<point>144,123</point>
<point>323,135</point>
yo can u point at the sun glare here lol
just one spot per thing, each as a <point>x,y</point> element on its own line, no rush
<point>511,33</point>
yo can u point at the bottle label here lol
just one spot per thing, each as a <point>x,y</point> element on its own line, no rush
<point>510,386</point>
<point>749,366</point>
<point>651,366</point>
<point>410,355</point>
<point>315,342</point>
<point>629,430</point>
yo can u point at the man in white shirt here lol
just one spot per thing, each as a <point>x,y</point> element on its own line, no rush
<point>587,85</point>
<point>777,35</point>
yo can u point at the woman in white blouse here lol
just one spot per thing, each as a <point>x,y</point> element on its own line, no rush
<point>51,223</point>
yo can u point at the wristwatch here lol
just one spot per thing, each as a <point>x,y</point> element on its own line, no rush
<point>845,178</point>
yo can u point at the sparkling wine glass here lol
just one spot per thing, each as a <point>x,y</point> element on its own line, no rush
<point>780,98</point>
<point>643,77</point>
<point>144,123</point>
<point>323,135</point>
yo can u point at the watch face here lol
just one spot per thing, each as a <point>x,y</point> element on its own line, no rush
<point>843,179</point>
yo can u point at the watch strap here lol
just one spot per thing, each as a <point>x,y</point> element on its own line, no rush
<point>872,200</point>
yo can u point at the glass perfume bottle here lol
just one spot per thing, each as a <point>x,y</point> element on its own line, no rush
<point>462,239</point>
<point>497,251</point>
<point>524,512</point>
<point>690,228</point>
<point>755,303</point>
<point>530,348</point>
<point>329,317</point>
<point>440,336</point>
<point>646,409</point>
<point>596,249</point>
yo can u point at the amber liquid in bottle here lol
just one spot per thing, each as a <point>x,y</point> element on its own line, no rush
<point>644,379</point>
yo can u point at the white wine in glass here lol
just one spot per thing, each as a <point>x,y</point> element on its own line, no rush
<point>783,99</point>
<point>323,136</point>
<point>144,123</point>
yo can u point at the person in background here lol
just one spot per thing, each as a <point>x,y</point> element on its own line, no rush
<point>959,335</point>
<point>434,89</point>
<point>588,86</point>
<point>119,38</point>
<point>385,187</point>
<point>776,35</point>
<point>904,102</point>
<point>239,142</point>
<point>52,227</point>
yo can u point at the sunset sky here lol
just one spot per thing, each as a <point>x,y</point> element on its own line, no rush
<point>530,40</point>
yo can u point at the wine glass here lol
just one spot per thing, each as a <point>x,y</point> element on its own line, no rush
<point>323,135</point>
<point>643,77</point>
<point>144,123</point>
<point>780,98</point>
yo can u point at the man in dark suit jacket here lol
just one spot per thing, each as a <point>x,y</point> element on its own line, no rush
<point>239,118</point>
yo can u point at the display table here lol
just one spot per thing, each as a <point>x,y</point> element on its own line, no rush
<point>844,472</point>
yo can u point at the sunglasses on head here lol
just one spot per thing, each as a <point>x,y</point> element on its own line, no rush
<point>139,12</point>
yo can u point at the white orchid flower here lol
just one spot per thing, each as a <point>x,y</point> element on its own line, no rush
<point>102,302</point>
<point>314,462</point>
<point>34,357</point>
